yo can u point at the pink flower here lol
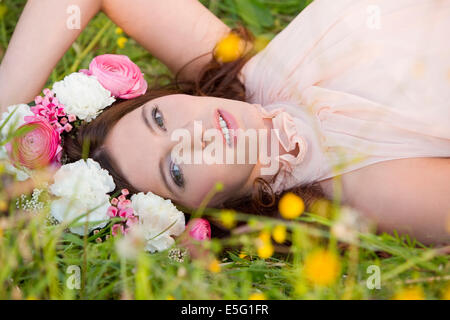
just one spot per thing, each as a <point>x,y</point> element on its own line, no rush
<point>72,117</point>
<point>199,229</point>
<point>126,213</point>
<point>36,148</point>
<point>131,221</point>
<point>68,127</point>
<point>112,211</point>
<point>114,201</point>
<point>125,192</point>
<point>124,204</point>
<point>118,74</point>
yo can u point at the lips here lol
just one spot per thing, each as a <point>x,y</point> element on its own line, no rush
<point>227,124</point>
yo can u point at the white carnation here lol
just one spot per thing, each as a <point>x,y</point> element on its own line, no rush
<point>81,186</point>
<point>82,95</point>
<point>16,120</point>
<point>160,220</point>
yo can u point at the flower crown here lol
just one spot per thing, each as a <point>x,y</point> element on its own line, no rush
<point>81,190</point>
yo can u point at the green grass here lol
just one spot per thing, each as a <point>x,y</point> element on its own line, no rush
<point>34,256</point>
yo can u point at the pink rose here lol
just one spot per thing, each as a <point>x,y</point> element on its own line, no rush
<point>36,148</point>
<point>199,229</point>
<point>118,74</point>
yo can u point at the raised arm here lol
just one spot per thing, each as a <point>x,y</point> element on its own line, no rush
<point>39,41</point>
<point>174,31</point>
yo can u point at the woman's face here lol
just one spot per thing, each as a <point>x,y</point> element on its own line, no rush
<point>141,144</point>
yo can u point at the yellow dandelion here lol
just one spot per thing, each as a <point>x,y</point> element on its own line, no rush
<point>230,48</point>
<point>257,296</point>
<point>446,293</point>
<point>265,250</point>
<point>119,31</point>
<point>242,255</point>
<point>170,297</point>
<point>291,206</point>
<point>264,236</point>
<point>412,293</point>
<point>214,266</point>
<point>228,218</point>
<point>121,42</point>
<point>279,233</point>
<point>322,267</point>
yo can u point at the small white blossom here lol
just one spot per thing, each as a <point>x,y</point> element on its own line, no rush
<point>160,220</point>
<point>81,187</point>
<point>82,95</point>
<point>34,204</point>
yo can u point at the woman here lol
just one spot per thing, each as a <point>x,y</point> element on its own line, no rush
<point>356,89</point>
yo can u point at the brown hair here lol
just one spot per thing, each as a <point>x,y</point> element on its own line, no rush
<point>215,80</point>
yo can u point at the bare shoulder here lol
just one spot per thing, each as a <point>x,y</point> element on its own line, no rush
<point>409,195</point>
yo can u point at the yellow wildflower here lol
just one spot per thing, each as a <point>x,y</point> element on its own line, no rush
<point>242,255</point>
<point>264,236</point>
<point>257,296</point>
<point>170,297</point>
<point>279,233</point>
<point>412,293</point>
<point>322,267</point>
<point>121,42</point>
<point>228,218</point>
<point>291,206</point>
<point>119,31</point>
<point>214,266</point>
<point>230,48</point>
<point>265,250</point>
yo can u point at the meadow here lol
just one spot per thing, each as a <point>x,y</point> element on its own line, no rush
<point>321,253</point>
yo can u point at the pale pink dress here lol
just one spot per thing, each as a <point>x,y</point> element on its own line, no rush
<point>356,82</point>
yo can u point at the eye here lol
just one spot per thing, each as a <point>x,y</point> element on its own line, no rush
<point>158,117</point>
<point>177,175</point>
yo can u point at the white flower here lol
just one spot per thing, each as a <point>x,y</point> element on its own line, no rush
<point>82,95</point>
<point>16,120</point>
<point>160,220</point>
<point>82,187</point>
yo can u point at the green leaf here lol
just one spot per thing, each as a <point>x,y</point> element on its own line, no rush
<point>254,13</point>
